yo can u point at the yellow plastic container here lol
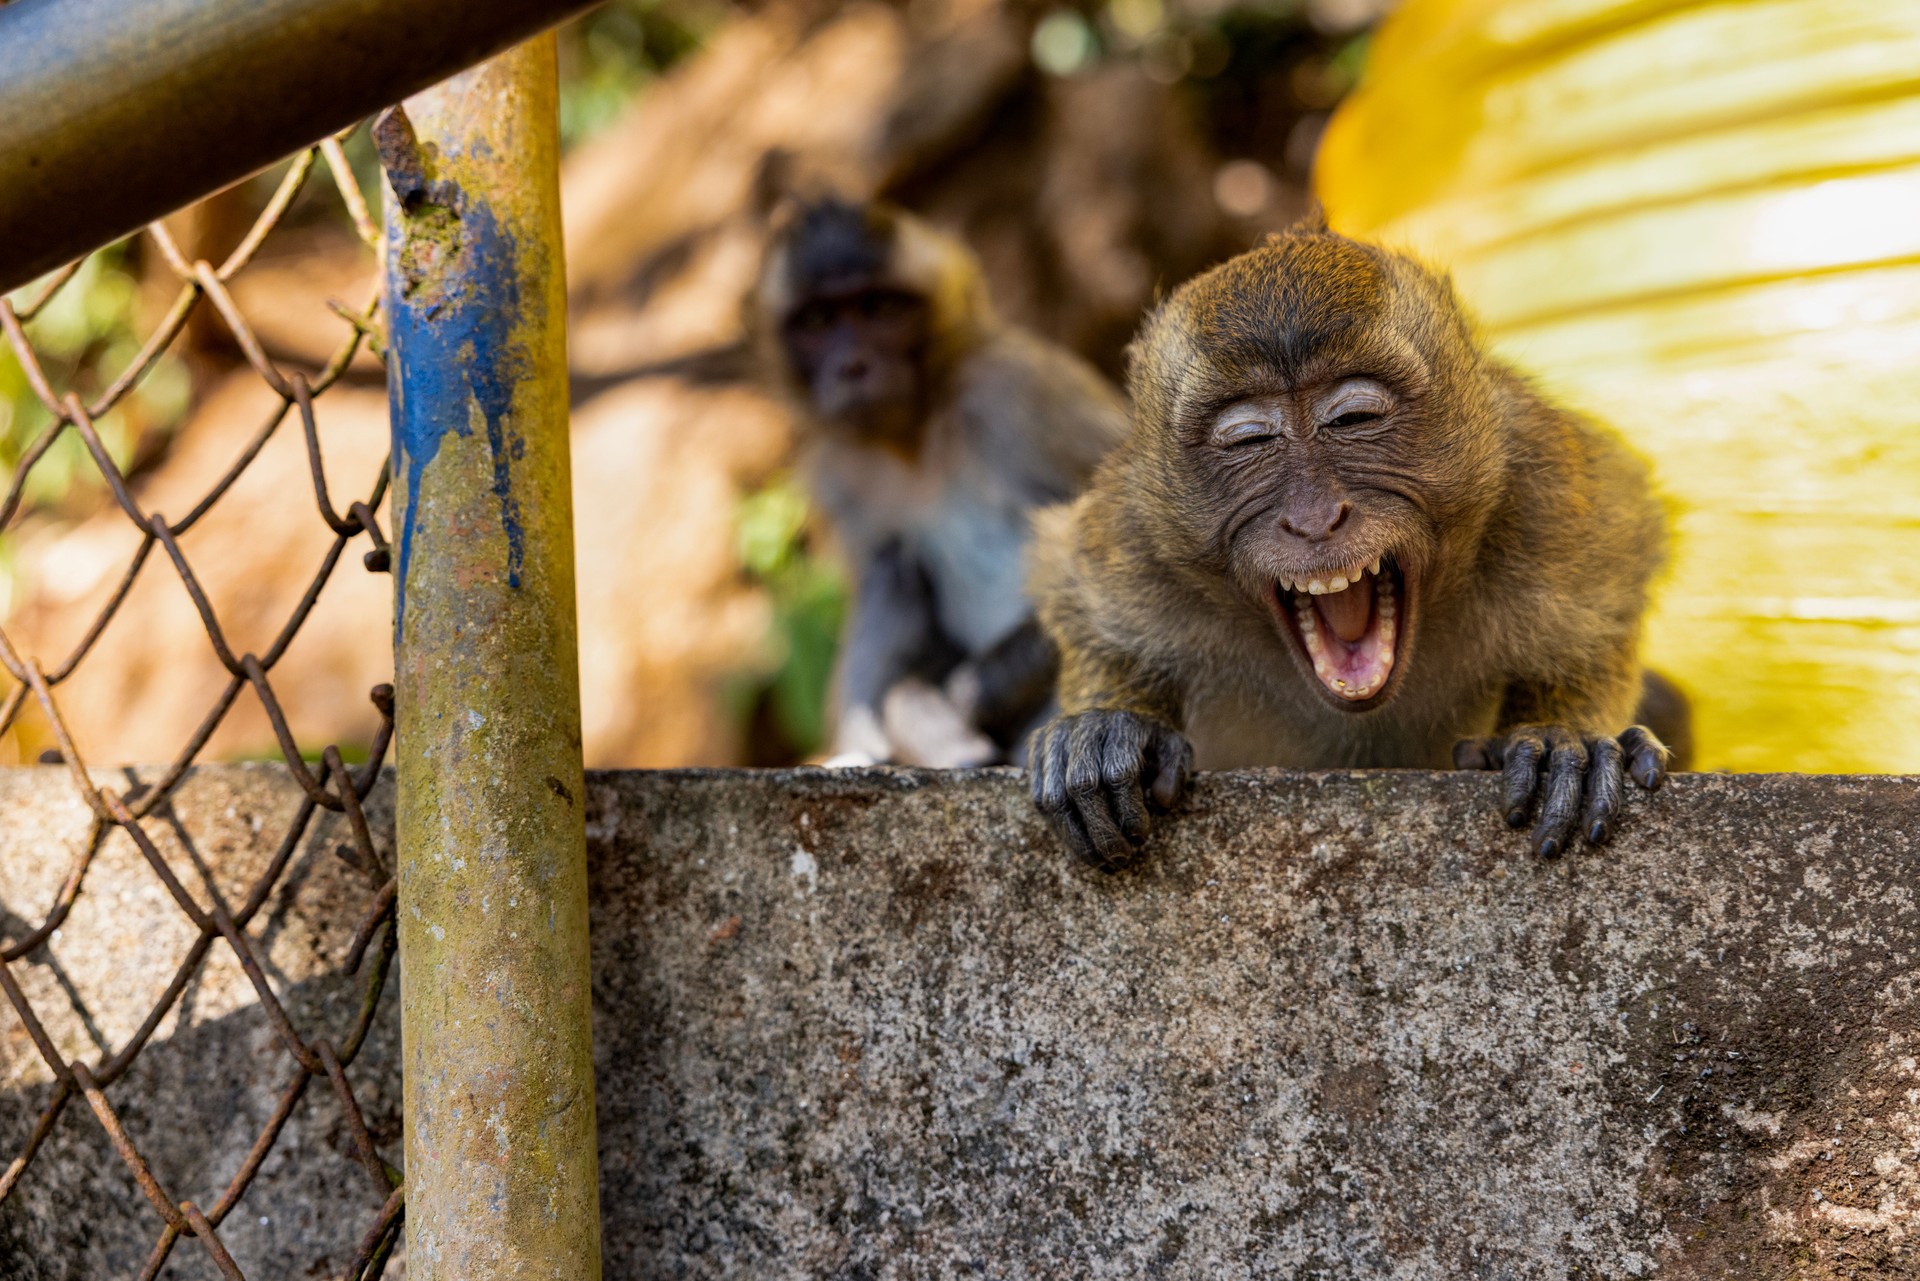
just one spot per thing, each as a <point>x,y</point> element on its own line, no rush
<point>1701,223</point>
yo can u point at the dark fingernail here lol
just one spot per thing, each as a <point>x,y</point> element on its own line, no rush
<point>1597,834</point>
<point>1517,816</point>
<point>1550,848</point>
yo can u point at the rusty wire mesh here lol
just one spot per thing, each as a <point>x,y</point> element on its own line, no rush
<point>330,785</point>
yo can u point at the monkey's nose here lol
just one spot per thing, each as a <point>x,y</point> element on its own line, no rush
<point>1316,525</point>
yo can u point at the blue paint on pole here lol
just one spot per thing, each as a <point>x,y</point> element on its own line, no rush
<point>453,343</point>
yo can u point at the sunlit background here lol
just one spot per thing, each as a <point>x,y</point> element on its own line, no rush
<point>1093,153</point>
<point>1700,222</point>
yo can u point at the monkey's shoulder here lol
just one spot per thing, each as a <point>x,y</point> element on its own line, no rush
<point>1040,411</point>
<point>1579,507</point>
<point>1100,580</point>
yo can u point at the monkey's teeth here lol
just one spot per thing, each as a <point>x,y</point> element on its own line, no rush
<point>1331,584</point>
<point>1353,671</point>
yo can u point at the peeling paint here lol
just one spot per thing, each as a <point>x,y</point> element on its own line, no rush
<point>456,351</point>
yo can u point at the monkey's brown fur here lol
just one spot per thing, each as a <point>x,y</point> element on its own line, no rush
<point>1529,535</point>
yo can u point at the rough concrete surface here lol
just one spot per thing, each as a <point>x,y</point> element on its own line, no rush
<point>872,1025</point>
<point>201,1090</point>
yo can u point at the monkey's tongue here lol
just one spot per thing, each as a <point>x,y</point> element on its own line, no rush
<point>1350,636</point>
<point>1348,612</point>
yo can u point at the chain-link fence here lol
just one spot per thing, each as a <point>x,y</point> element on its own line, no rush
<point>326,782</point>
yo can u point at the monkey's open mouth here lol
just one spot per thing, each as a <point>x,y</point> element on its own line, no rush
<point>1349,622</point>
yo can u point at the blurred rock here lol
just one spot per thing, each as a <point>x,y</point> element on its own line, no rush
<point>666,617</point>
<point>285,294</point>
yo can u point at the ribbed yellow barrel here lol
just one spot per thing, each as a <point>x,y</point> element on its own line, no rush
<point>1701,223</point>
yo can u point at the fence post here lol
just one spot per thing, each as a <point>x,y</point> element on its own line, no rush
<point>501,1171</point>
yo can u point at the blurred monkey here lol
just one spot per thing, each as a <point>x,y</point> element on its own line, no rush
<point>932,429</point>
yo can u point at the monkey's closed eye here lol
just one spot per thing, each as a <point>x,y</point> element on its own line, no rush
<point>1245,433</point>
<point>1355,403</point>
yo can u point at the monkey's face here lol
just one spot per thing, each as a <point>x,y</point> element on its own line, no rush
<point>860,353</point>
<point>1317,411</point>
<point>1322,530</point>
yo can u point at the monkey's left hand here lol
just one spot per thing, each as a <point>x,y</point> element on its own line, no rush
<point>1561,766</point>
<point>1093,774</point>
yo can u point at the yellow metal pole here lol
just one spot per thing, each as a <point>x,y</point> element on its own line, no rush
<point>501,1173</point>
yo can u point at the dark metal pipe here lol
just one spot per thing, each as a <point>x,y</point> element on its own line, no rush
<point>117,112</point>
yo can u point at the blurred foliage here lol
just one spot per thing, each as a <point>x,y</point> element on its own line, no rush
<point>809,598</point>
<point>1262,75</point>
<point>615,51</point>
<point>86,335</point>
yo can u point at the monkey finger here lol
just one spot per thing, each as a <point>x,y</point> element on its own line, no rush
<point>1606,788</point>
<point>1090,789</point>
<point>1565,774</point>
<point>1130,810</point>
<point>1646,756</point>
<point>1170,760</point>
<point>1047,769</point>
<point>1522,756</point>
<point>1110,844</point>
<point>1086,797</point>
<point>1129,805</point>
<point>1073,834</point>
<point>1477,753</point>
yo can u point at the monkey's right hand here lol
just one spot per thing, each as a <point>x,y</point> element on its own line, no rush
<point>1094,773</point>
<point>859,741</point>
<point>1560,767</point>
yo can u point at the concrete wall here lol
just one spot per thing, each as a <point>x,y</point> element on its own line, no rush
<point>872,1025</point>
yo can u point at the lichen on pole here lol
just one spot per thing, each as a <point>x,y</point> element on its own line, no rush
<point>501,1174</point>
